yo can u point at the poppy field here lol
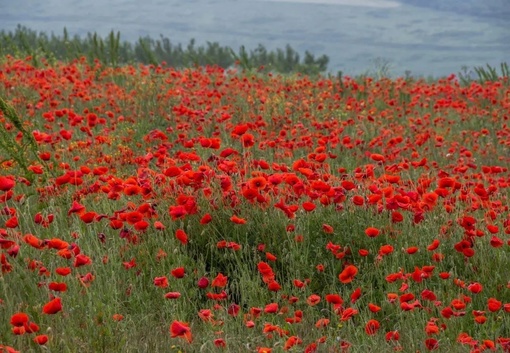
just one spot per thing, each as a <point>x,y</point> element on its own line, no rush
<point>150,209</point>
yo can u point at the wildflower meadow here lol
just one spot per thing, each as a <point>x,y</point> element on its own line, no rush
<point>145,208</point>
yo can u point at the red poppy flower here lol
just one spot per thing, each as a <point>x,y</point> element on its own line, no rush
<point>480,319</point>
<point>322,323</point>
<point>178,272</point>
<point>89,217</point>
<point>356,294</point>
<point>203,283</point>
<point>237,220</point>
<point>377,157</point>
<point>82,260</point>
<point>431,344</point>
<point>271,308</point>
<point>18,330</point>
<point>392,336</point>
<point>273,286</point>
<point>53,306</point>
<point>385,250</point>
<point>373,308</point>
<point>348,274</point>
<point>182,330</point>
<point>181,236</point>
<point>396,217</point>
<point>19,319</point>
<point>264,350</point>
<point>475,287</point>
<point>348,313</point>
<point>33,241</point>
<point>251,194</point>
<point>206,219</point>
<point>172,295</point>
<point>220,342</point>
<point>493,304</point>
<point>308,206</point>
<point>327,229</point>
<point>358,200</point>
<point>117,317</point>
<point>63,271</point>
<point>6,183</point>
<point>496,242</point>
<point>266,271</point>
<point>248,140</point>
<point>427,294</point>
<point>467,222</point>
<point>313,300</point>
<point>372,326</point>
<point>220,281</point>
<point>348,185</point>
<point>444,275</point>
<point>159,226</point>
<point>161,282</point>
<point>41,339</point>
<point>372,232</point>
<point>291,342</point>
<point>257,183</point>
<point>141,226</point>
<point>270,257</point>
<point>412,250</point>
<point>434,245</point>
<point>133,217</point>
<point>32,327</point>
<point>116,224</point>
<point>12,222</point>
<point>233,309</point>
<point>177,212</point>
<point>298,283</point>
<point>56,243</point>
<point>431,328</point>
<point>493,229</point>
<point>363,252</point>
<point>57,286</point>
<point>76,208</point>
<point>334,299</point>
<point>205,315</point>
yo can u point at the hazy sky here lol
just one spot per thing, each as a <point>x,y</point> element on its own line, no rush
<point>353,33</point>
<point>365,3</point>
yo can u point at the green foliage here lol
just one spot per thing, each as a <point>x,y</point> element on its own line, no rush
<point>483,74</point>
<point>113,51</point>
<point>9,146</point>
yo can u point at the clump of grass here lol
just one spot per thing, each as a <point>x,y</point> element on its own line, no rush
<point>13,146</point>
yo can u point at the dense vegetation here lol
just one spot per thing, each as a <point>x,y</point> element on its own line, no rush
<point>112,50</point>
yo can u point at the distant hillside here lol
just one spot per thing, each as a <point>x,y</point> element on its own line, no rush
<point>494,9</point>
